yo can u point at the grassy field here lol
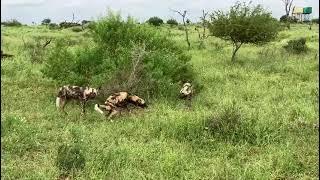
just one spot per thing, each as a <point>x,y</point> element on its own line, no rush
<point>254,119</point>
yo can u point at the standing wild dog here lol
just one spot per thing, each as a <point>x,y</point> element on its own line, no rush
<point>82,94</point>
<point>186,92</point>
<point>117,101</point>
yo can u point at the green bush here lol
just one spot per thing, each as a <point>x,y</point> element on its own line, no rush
<point>68,24</point>
<point>12,22</point>
<point>181,27</point>
<point>83,22</point>
<point>289,19</point>
<point>67,66</point>
<point>230,125</point>
<point>53,26</point>
<point>156,21</point>
<point>126,56</point>
<point>296,46</point>
<point>316,20</point>
<point>76,29</point>
<point>172,22</point>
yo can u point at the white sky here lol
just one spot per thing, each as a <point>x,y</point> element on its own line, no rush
<point>28,11</point>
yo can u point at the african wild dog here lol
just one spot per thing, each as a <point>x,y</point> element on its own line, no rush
<point>117,101</point>
<point>186,92</point>
<point>82,94</point>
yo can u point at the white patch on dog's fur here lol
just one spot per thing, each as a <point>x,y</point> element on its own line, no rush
<point>95,91</point>
<point>186,90</point>
<point>58,102</point>
<point>96,107</point>
<point>88,91</point>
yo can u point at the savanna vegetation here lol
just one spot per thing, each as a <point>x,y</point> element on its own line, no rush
<point>253,118</point>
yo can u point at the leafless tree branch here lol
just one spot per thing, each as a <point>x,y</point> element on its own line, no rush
<point>183,15</point>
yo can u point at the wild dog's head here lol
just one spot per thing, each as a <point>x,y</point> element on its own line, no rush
<point>91,93</point>
<point>136,100</point>
<point>186,89</point>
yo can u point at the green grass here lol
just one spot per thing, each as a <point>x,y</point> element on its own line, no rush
<point>269,132</point>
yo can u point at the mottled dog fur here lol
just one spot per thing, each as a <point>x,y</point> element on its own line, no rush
<point>118,101</point>
<point>186,93</point>
<point>82,94</point>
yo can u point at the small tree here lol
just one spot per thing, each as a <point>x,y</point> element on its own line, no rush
<point>244,24</point>
<point>156,21</point>
<point>46,21</point>
<point>316,20</point>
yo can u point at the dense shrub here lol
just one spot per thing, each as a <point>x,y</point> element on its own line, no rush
<point>85,22</point>
<point>296,46</point>
<point>12,22</point>
<point>316,20</point>
<point>53,26</point>
<point>283,18</point>
<point>126,56</point>
<point>181,28</point>
<point>172,22</point>
<point>156,21</point>
<point>230,125</point>
<point>76,29</point>
<point>67,66</point>
<point>289,19</point>
<point>68,24</point>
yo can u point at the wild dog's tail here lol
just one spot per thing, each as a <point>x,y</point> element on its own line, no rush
<point>96,107</point>
<point>58,100</point>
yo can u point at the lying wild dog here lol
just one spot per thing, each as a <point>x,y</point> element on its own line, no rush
<point>186,92</point>
<point>82,94</point>
<point>117,101</point>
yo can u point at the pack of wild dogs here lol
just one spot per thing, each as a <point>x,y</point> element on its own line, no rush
<point>114,104</point>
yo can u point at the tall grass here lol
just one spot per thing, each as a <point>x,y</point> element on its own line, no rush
<point>268,133</point>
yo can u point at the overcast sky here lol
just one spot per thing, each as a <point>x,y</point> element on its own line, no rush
<point>28,11</point>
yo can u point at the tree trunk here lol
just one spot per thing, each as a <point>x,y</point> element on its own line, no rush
<point>185,26</point>
<point>236,47</point>
<point>187,35</point>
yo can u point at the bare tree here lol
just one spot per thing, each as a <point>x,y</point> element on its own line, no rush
<point>204,22</point>
<point>72,17</point>
<point>138,54</point>
<point>183,15</point>
<point>287,5</point>
<point>202,36</point>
